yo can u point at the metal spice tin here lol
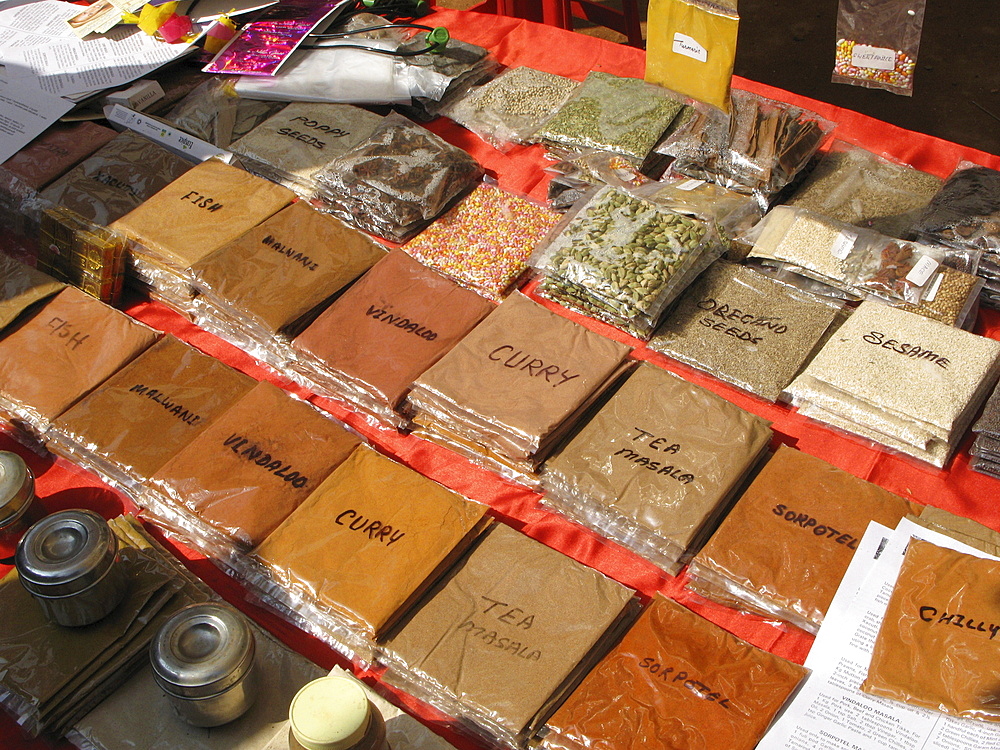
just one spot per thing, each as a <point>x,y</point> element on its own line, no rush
<point>203,659</point>
<point>69,562</point>
<point>17,493</point>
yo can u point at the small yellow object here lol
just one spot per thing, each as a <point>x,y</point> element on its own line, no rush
<point>152,17</point>
<point>691,47</point>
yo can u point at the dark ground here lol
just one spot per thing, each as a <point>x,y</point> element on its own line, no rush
<point>791,43</point>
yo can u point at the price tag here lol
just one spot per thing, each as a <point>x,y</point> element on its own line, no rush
<point>843,245</point>
<point>689,185</point>
<point>922,270</point>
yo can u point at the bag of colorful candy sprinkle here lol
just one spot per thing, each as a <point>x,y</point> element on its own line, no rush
<point>877,43</point>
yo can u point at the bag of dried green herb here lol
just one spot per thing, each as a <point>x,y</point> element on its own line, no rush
<point>625,116</point>
<point>877,43</point>
<point>854,185</point>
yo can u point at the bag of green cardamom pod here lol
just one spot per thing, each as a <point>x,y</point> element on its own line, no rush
<point>623,260</point>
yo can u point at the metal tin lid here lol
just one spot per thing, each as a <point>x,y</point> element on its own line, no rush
<point>17,487</point>
<point>65,553</point>
<point>331,713</point>
<point>202,650</point>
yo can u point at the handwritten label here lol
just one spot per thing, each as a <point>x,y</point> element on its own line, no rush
<point>510,615</point>
<point>722,314</point>
<point>878,58</point>
<point>922,270</point>
<point>202,201</point>
<point>173,408</point>
<point>913,351</point>
<point>289,252</point>
<point>63,329</point>
<point>376,530</point>
<point>843,245</point>
<point>113,182</point>
<point>243,448</point>
<point>398,321</point>
<point>660,467</point>
<point>305,137</point>
<point>516,359</point>
<point>805,521</point>
<point>657,443</point>
<point>931,615</point>
<point>672,675</point>
<point>689,47</point>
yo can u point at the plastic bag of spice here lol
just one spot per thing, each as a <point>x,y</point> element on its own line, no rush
<point>216,113</point>
<point>966,211</point>
<point>692,47</point>
<point>508,109</point>
<point>811,245</point>
<point>624,260</point>
<point>757,150</point>
<point>877,43</point>
<point>769,143</point>
<point>898,270</point>
<point>854,185</point>
<point>626,116</point>
<point>396,182</point>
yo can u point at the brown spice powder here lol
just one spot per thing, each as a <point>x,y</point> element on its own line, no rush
<point>161,402</point>
<point>110,183</point>
<point>210,205</point>
<point>285,267</point>
<point>370,539</point>
<point>790,537</point>
<point>661,454</point>
<point>68,348</point>
<point>56,151</point>
<point>675,681</point>
<point>255,464</point>
<point>938,643</point>
<point>513,621</point>
<point>20,287</point>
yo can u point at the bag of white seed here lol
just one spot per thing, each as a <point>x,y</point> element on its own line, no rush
<point>623,260</point>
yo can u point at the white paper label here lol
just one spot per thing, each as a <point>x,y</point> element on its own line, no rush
<point>843,245</point>
<point>931,293</point>
<point>689,185</point>
<point>879,58</point>
<point>922,270</point>
<point>689,47</point>
<point>171,138</point>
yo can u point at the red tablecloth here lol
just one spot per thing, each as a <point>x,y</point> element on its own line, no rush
<point>516,42</point>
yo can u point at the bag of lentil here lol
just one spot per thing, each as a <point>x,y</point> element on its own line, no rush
<point>624,260</point>
<point>877,43</point>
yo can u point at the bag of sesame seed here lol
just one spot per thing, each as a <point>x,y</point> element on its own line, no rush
<point>877,43</point>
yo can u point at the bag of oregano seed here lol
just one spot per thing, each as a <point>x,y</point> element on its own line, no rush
<point>623,260</point>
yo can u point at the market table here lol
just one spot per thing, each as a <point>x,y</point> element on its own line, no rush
<point>515,42</point>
